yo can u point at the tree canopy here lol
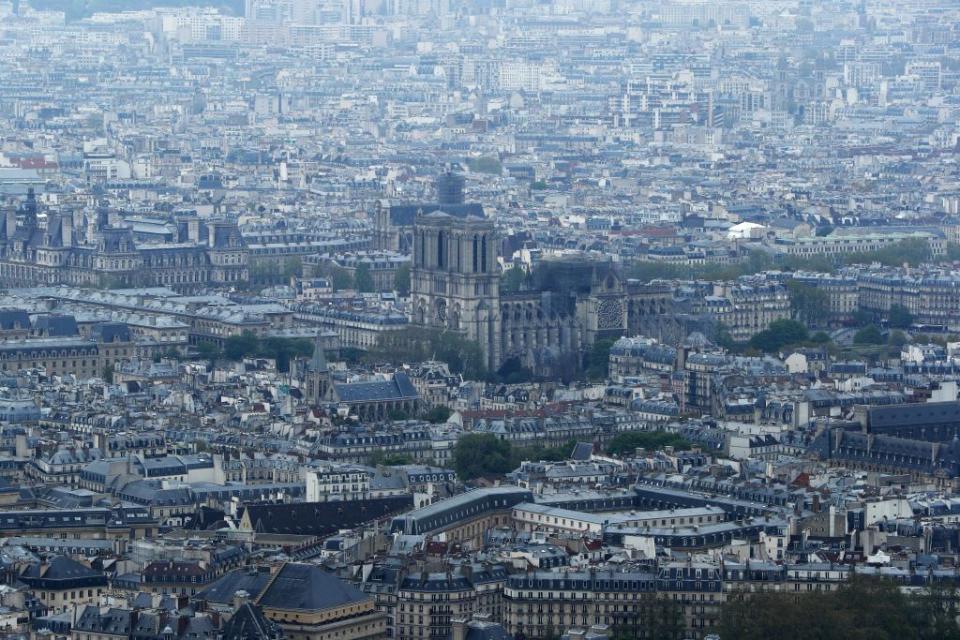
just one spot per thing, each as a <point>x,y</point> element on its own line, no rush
<point>485,164</point>
<point>483,454</point>
<point>416,344</point>
<point>900,317</point>
<point>598,360</point>
<point>401,280</point>
<point>362,278</point>
<point>438,414</point>
<point>911,251</point>
<point>870,334</point>
<point>779,334</point>
<point>340,278</point>
<point>864,608</point>
<point>629,441</point>
<point>282,350</point>
<point>513,280</point>
<point>810,305</point>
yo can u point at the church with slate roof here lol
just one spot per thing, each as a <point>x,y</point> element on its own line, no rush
<point>548,328</point>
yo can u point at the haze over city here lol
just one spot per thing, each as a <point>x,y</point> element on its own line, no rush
<point>479,319</point>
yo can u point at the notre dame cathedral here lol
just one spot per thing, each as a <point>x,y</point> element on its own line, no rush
<point>455,285</point>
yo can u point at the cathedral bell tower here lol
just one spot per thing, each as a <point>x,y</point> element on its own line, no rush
<point>455,279</point>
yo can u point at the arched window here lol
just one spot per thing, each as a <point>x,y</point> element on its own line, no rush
<point>441,258</point>
<point>475,253</point>
<point>483,257</point>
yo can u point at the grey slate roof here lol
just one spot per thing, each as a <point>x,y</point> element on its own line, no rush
<point>248,623</point>
<point>399,388</point>
<point>222,589</point>
<point>308,588</point>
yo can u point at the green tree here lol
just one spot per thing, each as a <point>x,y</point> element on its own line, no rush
<point>862,608</point>
<point>481,454</point>
<point>388,459</point>
<point>512,280</point>
<point>340,278</point>
<point>779,334</point>
<point>900,317</point>
<point>862,318</point>
<point>598,360</point>
<point>868,335</point>
<point>208,351</point>
<point>438,414</point>
<point>626,443</point>
<point>398,414</point>
<point>810,305</point>
<point>724,339</point>
<point>897,339</point>
<point>416,344</point>
<point>363,279</point>
<point>283,350</point>
<point>953,251</point>
<point>265,271</point>
<point>912,251</point>
<point>237,348</point>
<point>512,371</point>
<point>108,372</point>
<point>666,620</point>
<point>485,164</point>
<point>539,452</point>
<point>292,267</point>
<point>401,280</point>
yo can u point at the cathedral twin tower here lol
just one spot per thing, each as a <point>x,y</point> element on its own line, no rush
<point>455,279</point>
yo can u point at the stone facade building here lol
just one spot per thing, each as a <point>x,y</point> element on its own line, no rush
<point>202,253</point>
<point>455,286</point>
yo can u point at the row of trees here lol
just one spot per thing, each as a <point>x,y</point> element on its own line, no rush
<point>361,279</point>
<point>483,454</point>
<point>811,306</point>
<point>416,344</point>
<point>864,608</point>
<point>248,345</point>
<point>267,272</point>
<point>791,333</point>
<point>628,442</point>
<point>912,251</point>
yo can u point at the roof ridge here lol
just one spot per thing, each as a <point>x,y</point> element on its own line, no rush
<point>269,583</point>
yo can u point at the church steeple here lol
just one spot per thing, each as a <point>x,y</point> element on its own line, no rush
<point>318,363</point>
<point>318,375</point>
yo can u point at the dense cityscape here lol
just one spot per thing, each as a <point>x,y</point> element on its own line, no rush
<point>479,319</point>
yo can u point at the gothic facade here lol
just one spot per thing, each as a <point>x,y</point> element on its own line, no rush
<point>202,253</point>
<point>455,285</point>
